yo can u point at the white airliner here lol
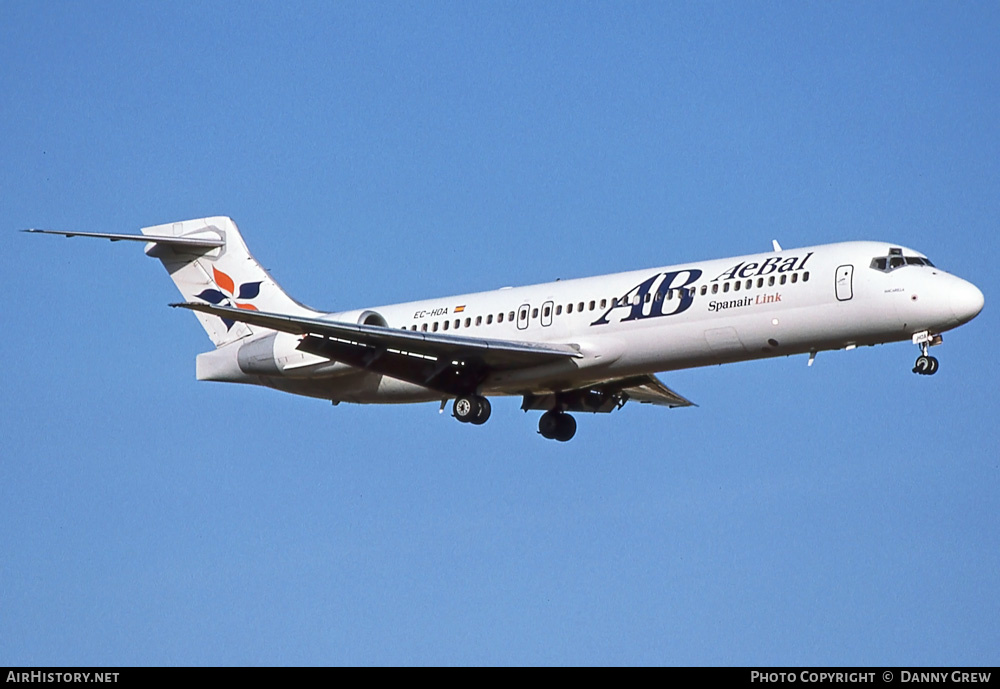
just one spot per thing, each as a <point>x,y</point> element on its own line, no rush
<point>584,345</point>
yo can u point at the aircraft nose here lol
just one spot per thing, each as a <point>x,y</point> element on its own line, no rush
<point>966,301</point>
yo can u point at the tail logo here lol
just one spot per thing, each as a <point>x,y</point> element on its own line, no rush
<point>227,295</point>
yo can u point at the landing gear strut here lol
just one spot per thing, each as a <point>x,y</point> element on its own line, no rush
<point>925,365</point>
<point>473,409</point>
<point>557,425</point>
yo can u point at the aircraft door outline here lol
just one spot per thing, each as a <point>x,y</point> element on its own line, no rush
<point>844,282</point>
<point>522,316</point>
<point>547,309</point>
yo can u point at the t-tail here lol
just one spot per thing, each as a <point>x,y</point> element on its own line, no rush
<point>209,262</point>
<point>227,275</point>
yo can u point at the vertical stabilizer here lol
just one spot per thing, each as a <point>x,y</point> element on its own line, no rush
<point>226,276</point>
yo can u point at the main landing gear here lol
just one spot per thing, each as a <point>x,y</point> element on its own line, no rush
<point>557,425</point>
<point>925,365</point>
<point>473,409</point>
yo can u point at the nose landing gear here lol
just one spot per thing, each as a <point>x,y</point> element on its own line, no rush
<point>925,365</point>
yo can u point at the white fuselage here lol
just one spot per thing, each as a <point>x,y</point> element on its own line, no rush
<point>681,316</point>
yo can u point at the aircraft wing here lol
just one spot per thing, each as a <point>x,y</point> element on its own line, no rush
<point>445,362</point>
<point>650,390</point>
<point>604,396</point>
<point>363,345</point>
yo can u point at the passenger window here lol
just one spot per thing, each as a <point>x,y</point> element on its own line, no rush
<point>704,290</point>
<point>715,288</point>
<point>468,322</point>
<point>592,304</point>
<point>446,324</point>
<point>783,277</point>
<point>760,282</point>
<point>500,318</point>
<point>569,308</point>
<point>423,327</point>
<point>725,287</point>
<point>435,327</point>
<point>805,276</point>
<point>559,310</point>
<point>737,285</point>
<point>579,307</point>
<point>546,311</point>
<point>604,303</point>
<point>479,320</point>
<point>534,313</point>
<point>770,281</point>
<point>489,319</point>
<point>510,316</point>
<point>795,277</point>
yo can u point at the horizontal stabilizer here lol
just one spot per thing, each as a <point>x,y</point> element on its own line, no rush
<point>176,242</point>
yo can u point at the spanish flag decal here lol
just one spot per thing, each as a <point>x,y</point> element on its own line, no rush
<point>459,309</point>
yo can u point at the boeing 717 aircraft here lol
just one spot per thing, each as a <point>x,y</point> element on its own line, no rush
<point>583,345</point>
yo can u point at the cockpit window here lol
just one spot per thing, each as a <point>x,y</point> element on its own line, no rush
<point>895,260</point>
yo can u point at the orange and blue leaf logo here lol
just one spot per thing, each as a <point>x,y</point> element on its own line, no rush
<point>227,294</point>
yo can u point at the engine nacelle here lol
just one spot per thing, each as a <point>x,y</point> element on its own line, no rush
<point>361,317</point>
<point>277,354</point>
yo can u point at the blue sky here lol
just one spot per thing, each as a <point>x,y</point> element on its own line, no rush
<point>371,153</point>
